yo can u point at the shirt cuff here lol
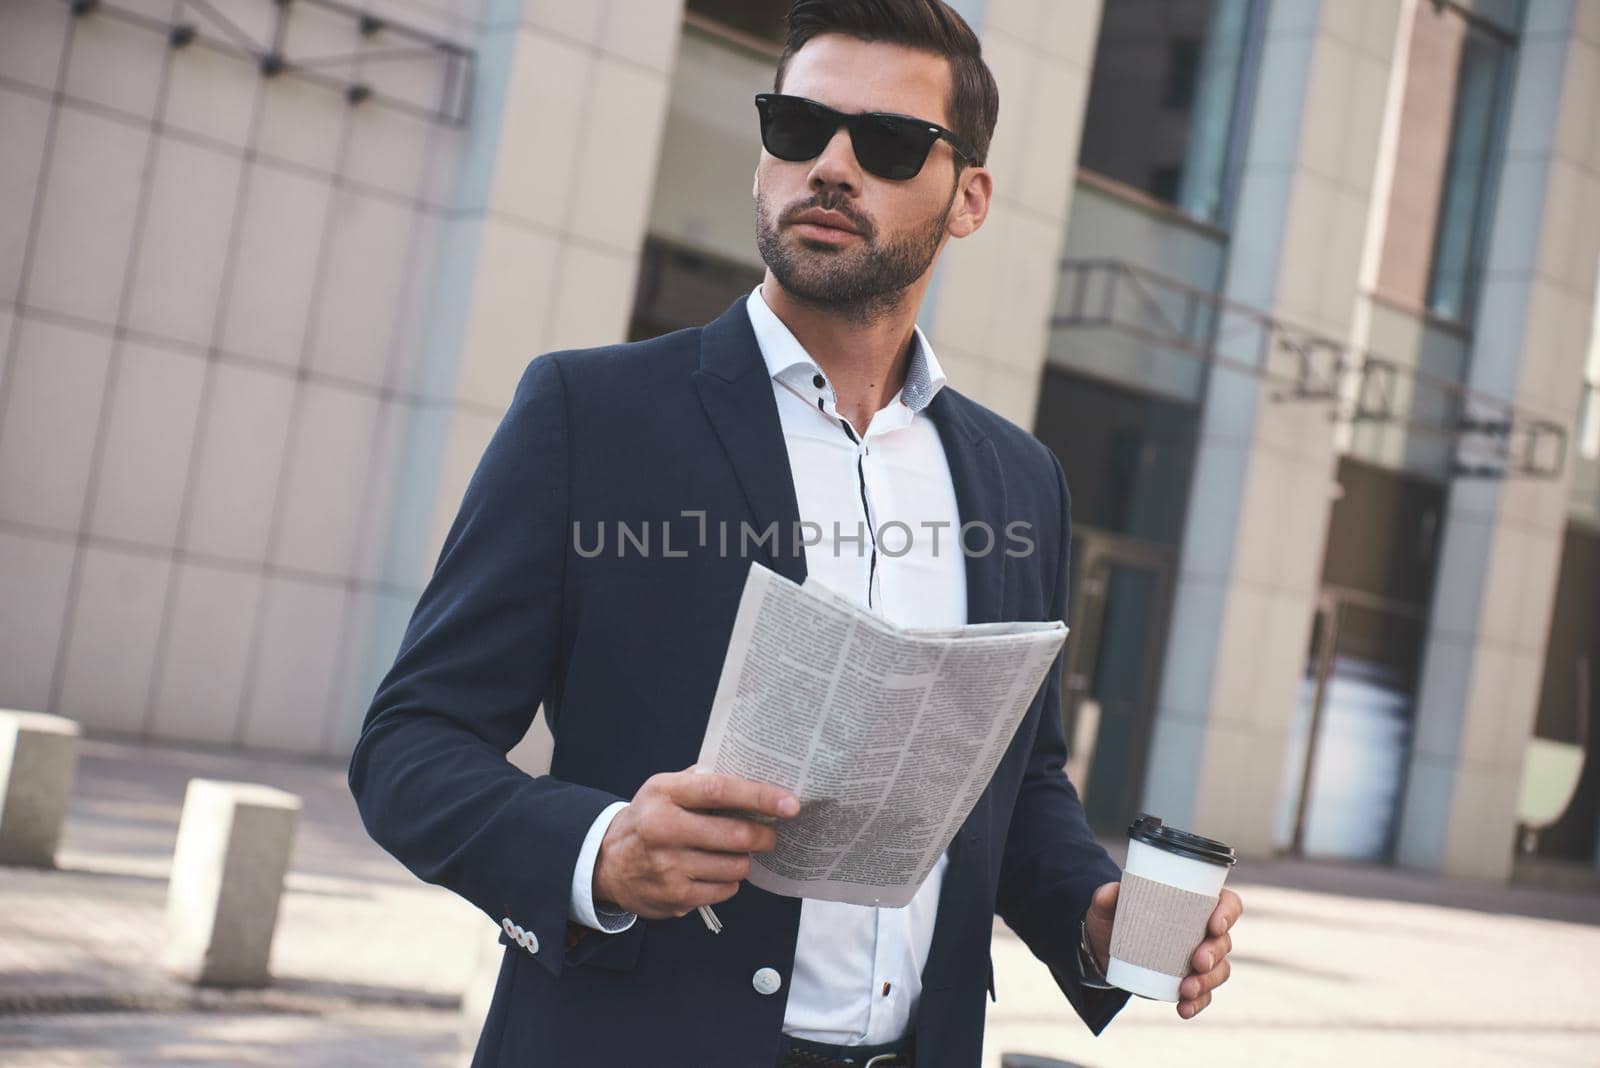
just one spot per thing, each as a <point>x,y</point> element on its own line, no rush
<point>1092,975</point>
<point>583,908</point>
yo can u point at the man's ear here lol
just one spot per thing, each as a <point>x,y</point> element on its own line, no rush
<point>972,202</point>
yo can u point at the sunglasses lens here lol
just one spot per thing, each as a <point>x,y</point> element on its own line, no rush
<point>891,147</point>
<point>792,131</point>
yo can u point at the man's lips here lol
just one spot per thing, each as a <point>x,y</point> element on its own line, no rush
<point>818,232</point>
<point>818,223</point>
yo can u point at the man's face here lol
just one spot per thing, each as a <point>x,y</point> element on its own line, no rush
<point>902,224</point>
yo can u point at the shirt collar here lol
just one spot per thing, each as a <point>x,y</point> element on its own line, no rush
<point>787,359</point>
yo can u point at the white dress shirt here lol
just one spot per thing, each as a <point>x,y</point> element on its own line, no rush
<point>857,969</point>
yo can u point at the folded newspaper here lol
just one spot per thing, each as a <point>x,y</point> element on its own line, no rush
<point>887,735</point>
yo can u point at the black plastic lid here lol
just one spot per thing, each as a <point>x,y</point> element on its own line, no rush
<point>1149,830</point>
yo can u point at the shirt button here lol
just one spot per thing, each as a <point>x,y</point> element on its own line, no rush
<point>818,381</point>
<point>766,981</point>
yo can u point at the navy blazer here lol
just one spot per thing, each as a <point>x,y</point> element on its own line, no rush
<point>623,649</point>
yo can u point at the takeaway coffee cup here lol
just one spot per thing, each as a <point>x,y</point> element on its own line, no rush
<point>1170,887</point>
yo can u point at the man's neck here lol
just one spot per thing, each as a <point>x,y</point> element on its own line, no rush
<point>865,362</point>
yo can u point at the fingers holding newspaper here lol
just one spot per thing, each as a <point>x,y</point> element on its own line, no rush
<point>685,841</point>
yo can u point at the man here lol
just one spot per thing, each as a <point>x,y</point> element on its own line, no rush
<point>814,414</point>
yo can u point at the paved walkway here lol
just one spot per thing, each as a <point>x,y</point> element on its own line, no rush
<point>369,962</point>
<point>1335,964</point>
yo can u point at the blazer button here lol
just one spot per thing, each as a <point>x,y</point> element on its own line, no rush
<point>766,981</point>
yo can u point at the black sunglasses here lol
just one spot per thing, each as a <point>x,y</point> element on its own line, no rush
<point>890,146</point>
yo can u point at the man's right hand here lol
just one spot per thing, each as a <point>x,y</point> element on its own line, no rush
<point>671,851</point>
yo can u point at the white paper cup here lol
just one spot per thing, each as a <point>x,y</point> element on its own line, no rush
<point>1170,887</point>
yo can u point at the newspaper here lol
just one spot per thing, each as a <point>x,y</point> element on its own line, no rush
<point>887,735</point>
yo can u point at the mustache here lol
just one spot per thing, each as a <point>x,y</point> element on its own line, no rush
<point>830,204</point>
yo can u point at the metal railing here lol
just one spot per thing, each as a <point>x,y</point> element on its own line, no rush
<point>1489,437</point>
<point>381,41</point>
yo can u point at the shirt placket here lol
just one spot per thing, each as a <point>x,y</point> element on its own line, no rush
<point>883,965</point>
<point>863,451</point>
<point>881,989</point>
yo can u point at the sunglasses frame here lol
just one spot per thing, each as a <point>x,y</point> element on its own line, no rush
<point>857,121</point>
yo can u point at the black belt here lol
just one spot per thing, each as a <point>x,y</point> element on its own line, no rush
<point>803,1053</point>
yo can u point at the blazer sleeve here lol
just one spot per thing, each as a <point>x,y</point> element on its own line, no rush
<point>1052,864</point>
<point>482,651</point>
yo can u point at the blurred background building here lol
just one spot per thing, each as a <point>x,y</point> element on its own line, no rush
<point>1302,294</point>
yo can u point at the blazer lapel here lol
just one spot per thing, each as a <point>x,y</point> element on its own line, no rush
<point>981,498</point>
<point>736,392</point>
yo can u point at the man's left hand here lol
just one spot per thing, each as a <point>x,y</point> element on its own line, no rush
<point>1210,962</point>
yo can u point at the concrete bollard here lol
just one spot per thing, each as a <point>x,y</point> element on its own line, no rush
<point>234,841</point>
<point>38,759</point>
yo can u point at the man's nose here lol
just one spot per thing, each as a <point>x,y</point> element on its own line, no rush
<point>837,165</point>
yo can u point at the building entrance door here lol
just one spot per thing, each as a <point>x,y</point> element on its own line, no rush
<point>1345,769</point>
<point>1120,592</point>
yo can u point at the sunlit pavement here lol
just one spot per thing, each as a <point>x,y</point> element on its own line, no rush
<point>1348,965</point>
<point>369,963</point>
<point>1334,964</point>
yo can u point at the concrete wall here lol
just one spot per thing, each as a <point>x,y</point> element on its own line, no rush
<point>252,354</point>
<point>1502,540</point>
<point>1108,226</point>
<point>208,288</point>
<point>1584,499</point>
<point>1429,359</point>
<point>988,309</point>
<point>1252,549</point>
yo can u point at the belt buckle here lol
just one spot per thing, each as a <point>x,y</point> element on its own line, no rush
<point>887,1060</point>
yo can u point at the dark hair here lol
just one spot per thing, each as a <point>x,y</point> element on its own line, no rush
<point>929,25</point>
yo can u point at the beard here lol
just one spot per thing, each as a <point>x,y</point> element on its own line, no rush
<point>860,282</point>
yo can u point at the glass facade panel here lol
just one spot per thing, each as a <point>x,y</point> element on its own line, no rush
<point>1464,205</point>
<point>1162,102</point>
<point>1120,684</point>
<point>1457,74</point>
<point>1126,455</point>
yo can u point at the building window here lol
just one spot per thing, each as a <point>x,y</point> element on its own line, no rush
<point>1126,454</point>
<point>757,18</point>
<point>679,286</point>
<point>1164,97</point>
<point>1457,74</point>
<point>1463,224</point>
<point>1183,71</point>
